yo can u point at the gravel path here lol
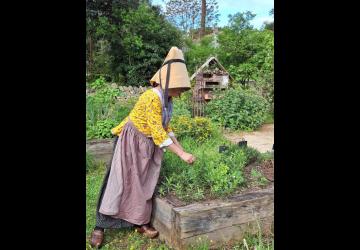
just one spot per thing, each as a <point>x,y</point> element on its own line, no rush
<point>261,139</point>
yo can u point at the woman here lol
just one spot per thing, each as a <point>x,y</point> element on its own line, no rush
<point>126,194</point>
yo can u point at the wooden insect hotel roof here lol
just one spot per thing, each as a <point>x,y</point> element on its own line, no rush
<point>208,62</point>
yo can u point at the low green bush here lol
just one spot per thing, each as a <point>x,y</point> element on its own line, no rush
<point>238,109</point>
<point>182,105</point>
<point>212,175</point>
<point>101,129</point>
<point>198,128</point>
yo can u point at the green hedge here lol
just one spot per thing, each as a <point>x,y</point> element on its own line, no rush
<point>238,109</point>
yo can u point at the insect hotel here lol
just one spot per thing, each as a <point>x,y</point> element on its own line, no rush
<point>208,77</point>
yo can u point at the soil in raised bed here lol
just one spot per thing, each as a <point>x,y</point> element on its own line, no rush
<point>266,168</point>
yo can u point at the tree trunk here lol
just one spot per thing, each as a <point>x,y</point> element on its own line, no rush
<point>203,16</point>
<point>90,55</point>
<point>192,27</point>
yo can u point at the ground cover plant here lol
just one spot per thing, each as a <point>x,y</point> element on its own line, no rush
<point>213,174</point>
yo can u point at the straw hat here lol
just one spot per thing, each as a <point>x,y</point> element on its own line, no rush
<point>179,77</point>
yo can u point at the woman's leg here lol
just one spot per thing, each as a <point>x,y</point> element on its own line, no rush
<point>97,235</point>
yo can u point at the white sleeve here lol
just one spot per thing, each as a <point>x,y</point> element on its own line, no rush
<point>166,143</point>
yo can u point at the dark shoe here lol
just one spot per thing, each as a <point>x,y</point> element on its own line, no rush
<point>96,239</point>
<point>148,231</point>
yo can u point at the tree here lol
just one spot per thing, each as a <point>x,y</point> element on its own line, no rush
<point>212,13</point>
<point>129,41</point>
<point>183,13</point>
<point>248,53</point>
<point>237,41</point>
<point>203,16</point>
<point>186,14</point>
<point>99,17</point>
<point>198,53</point>
<point>241,21</point>
<point>270,25</point>
<point>141,43</point>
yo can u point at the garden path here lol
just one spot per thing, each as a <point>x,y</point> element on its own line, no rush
<point>261,139</point>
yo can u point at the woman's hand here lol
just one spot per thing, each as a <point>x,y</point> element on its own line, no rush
<point>189,158</point>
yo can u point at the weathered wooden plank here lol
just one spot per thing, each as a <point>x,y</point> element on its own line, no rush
<point>219,202</point>
<point>232,233</point>
<point>163,220</point>
<point>162,212</point>
<point>100,149</point>
<point>200,218</point>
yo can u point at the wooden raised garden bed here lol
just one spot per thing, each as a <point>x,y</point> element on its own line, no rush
<point>218,220</point>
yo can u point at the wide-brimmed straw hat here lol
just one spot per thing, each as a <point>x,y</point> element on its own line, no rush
<point>178,76</point>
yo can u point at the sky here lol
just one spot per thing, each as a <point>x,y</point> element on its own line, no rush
<point>259,7</point>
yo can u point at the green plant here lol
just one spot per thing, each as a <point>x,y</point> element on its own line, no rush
<point>269,118</point>
<point>182,105</point>
<point>265,156</point>
<point>90,164</point>
<point>258,177</point>
<point>199,128</point>
<point>201,243</point>
<point>103,110</point>
<point>135,241</point>
<point>243,73</point>
<point>99,83</point>
<point>120,111</point>
<point>198,53</point>
<point>212,175</point>
<point>217,177</point>
<point>102,129</point>
<point>99,104</point>
<point>238,109</point>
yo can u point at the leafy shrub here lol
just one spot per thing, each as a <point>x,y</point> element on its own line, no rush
<point>243,73</point>
<point>198,53</point>
<point>101,129</point>
<point>182,105</point>
<point>238,109</point>
<point>212,175</point>
<point>198,128</point>
<point>98,105</point>
<point>103,110</point>
<point>98,83</point>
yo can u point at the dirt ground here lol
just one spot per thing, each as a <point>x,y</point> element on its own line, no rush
<point>261,139</point>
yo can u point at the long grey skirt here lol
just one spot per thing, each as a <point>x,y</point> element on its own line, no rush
<point>126,193</point>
